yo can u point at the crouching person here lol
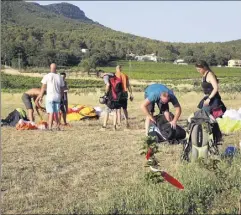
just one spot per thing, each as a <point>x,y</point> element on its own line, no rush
<point>159,94</point>
<point>27,98</point>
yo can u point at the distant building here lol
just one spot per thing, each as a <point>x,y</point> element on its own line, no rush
<point>234,63</point>
<point>84,50</point>
<point>180,62</point>
<point>147,57</point>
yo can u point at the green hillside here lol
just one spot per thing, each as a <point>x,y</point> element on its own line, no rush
<point>43,34</point>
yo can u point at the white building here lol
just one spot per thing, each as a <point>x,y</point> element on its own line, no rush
<point>180,62</point>
<point>149,57</point>
<point>234,63</point>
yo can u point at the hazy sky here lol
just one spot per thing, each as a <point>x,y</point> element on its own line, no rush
<point>172,21</point>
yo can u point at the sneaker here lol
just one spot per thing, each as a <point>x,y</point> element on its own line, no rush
<point>103,128</point>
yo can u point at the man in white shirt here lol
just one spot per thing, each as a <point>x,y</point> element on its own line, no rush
<point>53,83</point>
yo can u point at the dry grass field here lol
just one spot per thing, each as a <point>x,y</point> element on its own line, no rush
<point>84,170</point>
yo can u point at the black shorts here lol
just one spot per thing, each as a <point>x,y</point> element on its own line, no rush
<point>64,106</point>
<point>162,107</point>
<point>123,103</point>
<point>27,101</point>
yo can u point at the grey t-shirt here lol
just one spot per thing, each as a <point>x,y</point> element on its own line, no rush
<point>106,77</point>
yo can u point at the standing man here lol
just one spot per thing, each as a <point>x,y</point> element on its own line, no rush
<point>106,78</point>
<point>124,98</point>
<point>54,84</point>
<point>159,94</point>
<point>64,100</point>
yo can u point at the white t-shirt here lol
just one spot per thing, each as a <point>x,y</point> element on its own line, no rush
<point>54,83</point>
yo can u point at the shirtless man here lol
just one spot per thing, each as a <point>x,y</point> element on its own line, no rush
<point>27,100</point>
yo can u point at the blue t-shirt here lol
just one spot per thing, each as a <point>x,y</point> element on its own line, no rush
<point>154,91</point>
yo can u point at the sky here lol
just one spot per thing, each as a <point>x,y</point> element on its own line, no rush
<point>170,21</point>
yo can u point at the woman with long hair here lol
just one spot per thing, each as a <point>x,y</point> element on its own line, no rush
<point>211,102</point>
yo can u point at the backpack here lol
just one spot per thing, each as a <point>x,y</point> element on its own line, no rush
<point>115,88</point>
<point>115,92</point>
<point>203,137</point>
<point>13,117</point>
<point>163,131</point>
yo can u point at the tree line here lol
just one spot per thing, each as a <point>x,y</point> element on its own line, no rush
<point>37,37</point>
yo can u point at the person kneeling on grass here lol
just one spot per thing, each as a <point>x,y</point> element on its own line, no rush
<point>27,100</point>
<point>159,94</point>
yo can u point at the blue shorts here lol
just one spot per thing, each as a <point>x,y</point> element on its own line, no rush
<point>52,107</point>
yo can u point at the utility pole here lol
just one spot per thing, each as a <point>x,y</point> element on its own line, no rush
<point>5,59</point>
<point>19,62</point>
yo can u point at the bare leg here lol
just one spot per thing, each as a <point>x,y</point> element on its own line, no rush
<point>66,111</point>
<point>106,117</point>
<point>59,114</point>
<point>51,117</point>
<point>57,120</point>
<point>168,116</point>
<point>119,117</point>
<point>126,117</point>
<point>115,119</point>
<point>64,117</point>
<point>30,115</point>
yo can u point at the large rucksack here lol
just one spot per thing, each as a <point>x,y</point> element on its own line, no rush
<point>203,137</point>
<point>13,117</point>
<point>115,92</point>
<point>162,131</point>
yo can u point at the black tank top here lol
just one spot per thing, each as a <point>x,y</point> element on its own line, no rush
<point>207,87</point>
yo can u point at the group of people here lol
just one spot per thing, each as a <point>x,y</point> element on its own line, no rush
<point>117,86</point>
<point>161,95</point>
<point>55,88</point>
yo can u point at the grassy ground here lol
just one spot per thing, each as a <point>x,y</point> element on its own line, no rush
<point>84,170</point>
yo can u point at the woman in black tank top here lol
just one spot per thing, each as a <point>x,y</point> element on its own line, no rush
<point>212,99</point>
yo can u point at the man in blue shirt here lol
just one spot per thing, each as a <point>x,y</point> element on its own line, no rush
<point>159,94</point>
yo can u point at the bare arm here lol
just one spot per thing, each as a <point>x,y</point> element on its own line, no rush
<point>145,110</point>
<point>178,112</point>
<point>129,86</point>
<point>40,96</point>
<point>43,88</point>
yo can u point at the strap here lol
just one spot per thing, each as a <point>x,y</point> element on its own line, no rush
<point>205,77</point>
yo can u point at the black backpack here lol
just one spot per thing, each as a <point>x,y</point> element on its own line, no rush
<point>203,137</point>
<point>163,131</point>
